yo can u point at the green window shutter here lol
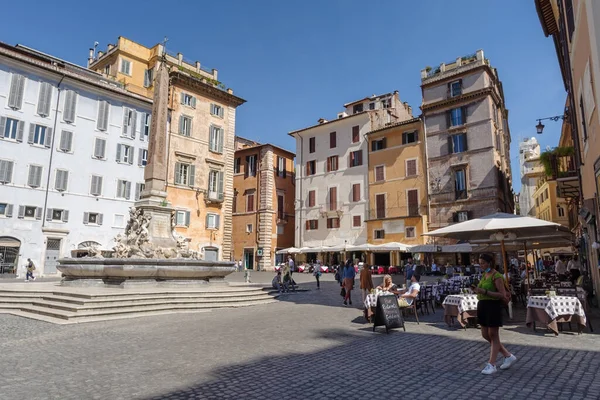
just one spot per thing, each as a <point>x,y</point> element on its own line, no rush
<point>86,217</point>
<point>133,123</point>
<point>177,173</point>
<point>187,218</point>
<point>220,136</point>
<point>48,137</point>
<point>31,133</point>
<point>49,212</point>
<point>217,221</point>
<point>192,175</point>
<point>220,185</point>
<point>181,131</point>
<point>65,216</point>
<point>125,120</point>
<point>119,151</point>
<point>211,138</point>
<point>193,102</point>
<point>182,98</point>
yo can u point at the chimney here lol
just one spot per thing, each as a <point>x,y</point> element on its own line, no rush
<point>180,58</point>
<point>100,54</point>
<point>91,57</point>
<point>322,120</point>
<point>479,55</point>
<point>110,47</point>
<point>197,66</point>
<point>230,91</point>
<point>215,74</point>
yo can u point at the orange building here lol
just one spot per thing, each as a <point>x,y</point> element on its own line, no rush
<point>263,203</point>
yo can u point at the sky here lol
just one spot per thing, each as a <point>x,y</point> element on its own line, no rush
<point>297,61</point>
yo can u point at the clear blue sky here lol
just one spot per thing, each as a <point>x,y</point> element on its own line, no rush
<point>295,62</point>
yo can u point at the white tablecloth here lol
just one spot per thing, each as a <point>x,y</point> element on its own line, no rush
<point>371,300</point>
<point>464,302</point>
<point>556,306</point>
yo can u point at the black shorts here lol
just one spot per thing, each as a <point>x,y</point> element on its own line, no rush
<point>489,313</point>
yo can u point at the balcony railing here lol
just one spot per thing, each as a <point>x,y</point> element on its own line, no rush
<point>397,212</point>
<point>559,163</point>
<point>215,197</point>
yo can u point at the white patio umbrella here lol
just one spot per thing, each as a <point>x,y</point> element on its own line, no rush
<point>391,246</point>
<point>290,250</point>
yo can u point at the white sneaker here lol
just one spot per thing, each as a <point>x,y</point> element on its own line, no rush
<point>489,369</point>
<point>508,361</point>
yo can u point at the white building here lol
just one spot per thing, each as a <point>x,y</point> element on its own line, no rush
<point>531,170</point>
<point>72,150</point>
<point>332,172</point>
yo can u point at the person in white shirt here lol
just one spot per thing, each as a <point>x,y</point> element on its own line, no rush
<point>406,299</point>
<point>574,268</point>
<point>560,269</point>
<point>291,265</point>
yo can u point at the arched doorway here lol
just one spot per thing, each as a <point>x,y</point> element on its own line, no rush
<point>9,254</point>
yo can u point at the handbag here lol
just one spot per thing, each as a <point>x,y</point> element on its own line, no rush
<point>343,292</point>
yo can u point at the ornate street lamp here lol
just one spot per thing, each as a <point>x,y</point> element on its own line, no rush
<point>540,127</point>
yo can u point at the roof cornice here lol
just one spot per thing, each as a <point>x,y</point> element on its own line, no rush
<point>204,88</point>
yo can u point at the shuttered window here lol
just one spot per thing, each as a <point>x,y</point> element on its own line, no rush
<point>129,122</point>
<point>311,168</point>
<point>188,100</point>
<point>333,223</point>
<point>62,179</point>
<point>145,131</point>
<point>356,221</point>
<point>215,185</point>
<point>44,99</point>
<point>11,128</point>
<point>333,203</point>
<point>124,154</point>
<point>216,139</point>
<point>411,167</point>
<point>66,141</point>
<point>311,145</point>
<point>250,202</point>
<point>143,157</point>
<point>6,210</point>
<point>103,109</point>
<point>6,171</point>
<point>332,140</point>
<point>311,198</point>
<point>355,159</point>
<point>281,169</point>
<point>148,78</point>
<point>377,145</point>
<point>34,178</point>
<point>17,88</point>
<point>213,221</point>
<point>412,197</point>
<point>216,110</point>
<point>356,192</point>
<point>100,148</point>
<point>185,174</point>
<point>40,135</point>
<point>380,205</point>
<point>139,187</point>
<point>332,163</point>
<point>312,224</point>
<point>410,137</point>
<point>379,173</point>
<point>355,134</point>
<point>123,189</point>
<point>237,165</point>
<point>70,106</point>
<point>185,125</point>
<point>93,218</point>
<point>96,185</point>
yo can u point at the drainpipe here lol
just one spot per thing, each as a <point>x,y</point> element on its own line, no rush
<point>51,153</point>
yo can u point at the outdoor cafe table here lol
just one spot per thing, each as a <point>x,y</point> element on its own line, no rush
<point>371,301</point>
<point>554,310</point>
<point>461,306</point>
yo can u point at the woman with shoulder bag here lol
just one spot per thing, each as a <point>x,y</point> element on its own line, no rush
<point>492,295</point>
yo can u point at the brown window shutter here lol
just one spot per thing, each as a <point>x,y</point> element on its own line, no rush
<point>306,225</point>
<point>356,192</point>
<point>356,220</point>
<point>332,140</point>
<point>351,159</point>
<point>360,157</point>
<point>328,164</point>
<point>383,143</point>
<point>413,202</point>
<point>464,114</point>
<point>355,134</point>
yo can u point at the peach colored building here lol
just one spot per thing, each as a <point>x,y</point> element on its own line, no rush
<point>263,203</point>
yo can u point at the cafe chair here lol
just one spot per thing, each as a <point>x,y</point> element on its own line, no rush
<point>412,307</point>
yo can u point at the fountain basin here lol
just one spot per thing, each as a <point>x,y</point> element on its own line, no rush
<point>125,272</point>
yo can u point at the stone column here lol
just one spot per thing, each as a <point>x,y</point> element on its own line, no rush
<point>266,212</point>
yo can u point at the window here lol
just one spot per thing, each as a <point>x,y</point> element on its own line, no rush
<point>355,134</point>
<point>124,154</point>
<point>355,158</point>
<point>53,214</point>
<point>6,170</point>
<point>455,88</point>
<point>123,189</point>
<point>185,174</point>
<point>234,202</point>
<point>280,229</point>
<point>107,70</point>
<point>462,216</point>
<point>146,121</point>
<point>377,145</point>
<point>215,143</point>
<point>281,171</point>
<point>355,192</point>
<point>125,67</point>
<point>96,185</point>
<point>357,108</point>
<point>570,18</point>
<point>583,120</point>
<point>332,140</point>
<point>129,122</point>
<point>66,141</point>
<point>333,204</point>
<point>312,224</point>
<point>311,168</point>
<point>460,183</point>
<point>15,96</point>
<point>412,199</point>
<point>356,221</point>
<point>251,165</point>
<point>185,125</point>
<point>139,188</point>
<point>70,107</point>
<point>103,109</point>
<point>250,202</point>
<point>411,168</point>
<point>216,110</point>
<point>61,180</point>
<point>371,106</point>
<point>44,99</point>
<point>236,165</point>
<point>280,207</point>
<point>11,128</point>
<point>30,212</point>
<point>100,148</point>
<point>311,198</point>
<point>143,157</point>
<point>249,228</point>
<point>213,221</point>
<point>410,232</point>
<point>378,234</point>
<point>410,137</point>
<point>148,77</point>
<point>40,135</point>
<point>457,116</point>
<point>379,173</point>
<point>333,223</point>
<point>561,211</point>
<point>188,100</point>
<point>380,205</point>
<point>119,221</point>
<point>6,210</point>
<point>386,103</point>
<point>92,218</point>
<point>182,218</point>
<point>34,179</point>
<point>457,143</point>
<point>311,145</point>
<point>332,163</point>
<point>215,185</point>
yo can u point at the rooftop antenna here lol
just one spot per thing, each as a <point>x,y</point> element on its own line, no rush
<point>95,46</point>
<point>164,43</point>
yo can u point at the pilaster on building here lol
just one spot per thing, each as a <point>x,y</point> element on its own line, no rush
<point>467,140</point>
<point>201,138</point>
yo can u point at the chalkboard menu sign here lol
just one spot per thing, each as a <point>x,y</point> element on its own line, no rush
<point>388,313</point>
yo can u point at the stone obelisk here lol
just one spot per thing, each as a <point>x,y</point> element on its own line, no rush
<point>153,199</point>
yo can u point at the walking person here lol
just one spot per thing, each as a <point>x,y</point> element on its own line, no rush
<point>492,294</point>
<point>30,266</point>
<point>291,265</point>
<point>366,282</point>
<point>317,274</point>
<point>348,275</point>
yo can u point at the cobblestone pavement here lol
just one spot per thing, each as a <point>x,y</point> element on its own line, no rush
<point>305,346</point>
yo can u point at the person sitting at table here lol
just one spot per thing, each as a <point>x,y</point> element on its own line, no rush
<point>406,299</point>
<point>449,270</point>
<point>388,285</point>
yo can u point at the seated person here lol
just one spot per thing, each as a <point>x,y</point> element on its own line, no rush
<point>406,299</point>
<point>287,282</point>
<point>388,285</point>
<point>276,282</point>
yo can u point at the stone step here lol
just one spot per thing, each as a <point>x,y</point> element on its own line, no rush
<point>115,293</point>
<point>50,303</point>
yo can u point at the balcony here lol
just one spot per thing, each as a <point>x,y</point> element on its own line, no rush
<point>559,165</point>
<point>397,212</point>
<point>282,218</point>
<point>214,197</point>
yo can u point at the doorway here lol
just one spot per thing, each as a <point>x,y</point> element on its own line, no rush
<point>9,255</point>
<point>52,255</point>
<point>249,258</point>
